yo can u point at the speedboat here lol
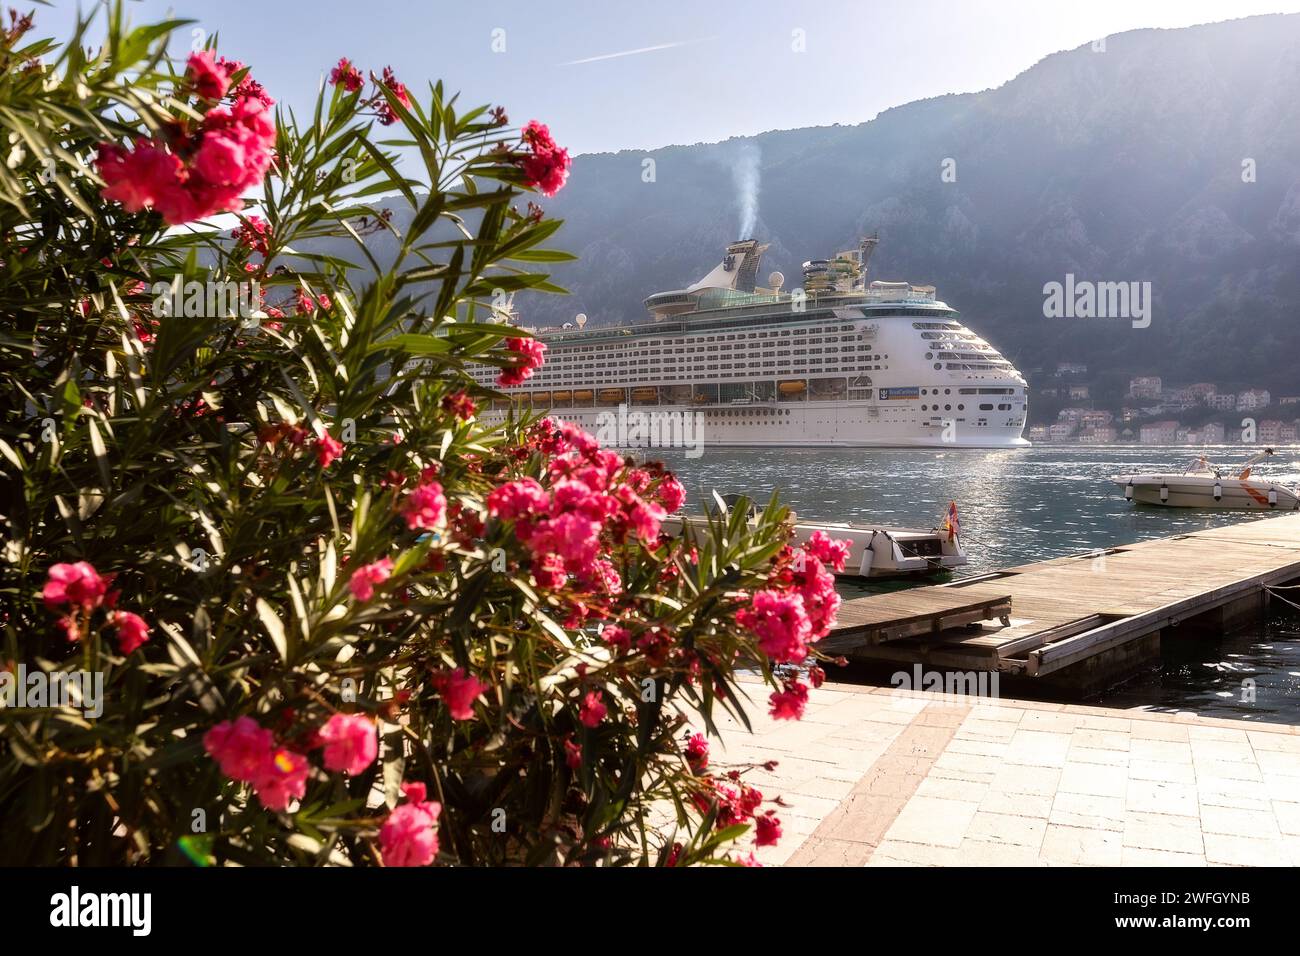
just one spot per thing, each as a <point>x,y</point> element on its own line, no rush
<point>875,551</point>
<point>1205,485</point>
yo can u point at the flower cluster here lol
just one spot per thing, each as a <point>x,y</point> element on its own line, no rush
<point>76,591</point>
<point>363,580</point>
<point>545,165</point>
<point>531,356</point>
<point>458,691</point>
<point>425,507</point>
<point>596,498</point>
<point>409,837</point>
<point>796,610</point>
<point>735,802</point>
<point>249,753</point>
<point>346,75</point>
<point>191,171</point>
<point>254,233</point>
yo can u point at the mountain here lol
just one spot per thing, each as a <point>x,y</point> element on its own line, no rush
<point>1122,165</point>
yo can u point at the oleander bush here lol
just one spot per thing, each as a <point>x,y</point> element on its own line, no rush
<point>339,617</point>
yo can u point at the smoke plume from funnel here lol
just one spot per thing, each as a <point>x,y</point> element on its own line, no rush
<point>744,172</point>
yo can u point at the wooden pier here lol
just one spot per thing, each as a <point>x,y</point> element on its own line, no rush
<point>1092,615</point>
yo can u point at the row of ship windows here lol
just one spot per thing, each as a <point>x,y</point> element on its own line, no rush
<point>722,338</point>
<point>566,358</point>
<point>697,362</point>
<point>592,380</point>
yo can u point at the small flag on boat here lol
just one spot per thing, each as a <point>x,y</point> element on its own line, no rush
<point>951,524</point>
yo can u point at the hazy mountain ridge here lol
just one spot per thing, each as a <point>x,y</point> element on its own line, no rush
<point>1118,165</point>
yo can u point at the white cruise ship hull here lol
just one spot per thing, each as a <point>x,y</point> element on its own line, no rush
<point>830,426</point>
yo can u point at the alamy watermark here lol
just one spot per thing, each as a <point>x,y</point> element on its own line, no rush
<point>82,690</point>
<point>210,299</point>
<point>75,909</point>
<point>1085,299</point>
<point>651,429</point>
<point>957,687</point>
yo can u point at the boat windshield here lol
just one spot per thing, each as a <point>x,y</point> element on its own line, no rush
<point>1201,466</point>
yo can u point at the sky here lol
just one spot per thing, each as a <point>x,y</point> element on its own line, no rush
<point>640,74</point>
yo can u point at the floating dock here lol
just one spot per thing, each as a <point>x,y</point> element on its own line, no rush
<point>1087,621</point>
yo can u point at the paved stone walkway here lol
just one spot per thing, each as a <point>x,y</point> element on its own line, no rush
<point>882,777</point>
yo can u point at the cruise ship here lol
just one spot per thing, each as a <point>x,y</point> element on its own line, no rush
<point>840,362</point>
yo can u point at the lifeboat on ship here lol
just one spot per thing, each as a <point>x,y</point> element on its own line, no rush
<point>559,398</point>
<point>612,396</point>
<point>581,395</point>
<point>541,398</point>
<point>793,388</point>
<point>645,394</point>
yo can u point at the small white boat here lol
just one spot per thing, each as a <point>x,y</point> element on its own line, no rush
<point>1204,485</point>
<point>877,551</point>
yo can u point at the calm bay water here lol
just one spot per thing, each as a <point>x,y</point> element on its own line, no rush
<point>1024,505</point>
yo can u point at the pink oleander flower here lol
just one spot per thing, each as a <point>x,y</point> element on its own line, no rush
<point>697,753</point>
<point>789,704</point>
<point>781,624</point>
<point>247,88</point>
<point>645,518</point>
<point>328,450</point>
<point>388,115</point>
<point>253,234</point>
<point>303,304</point>
<point>425,507</point>
<point>458,691</point>
<point>602,576</point>
<point>830,551</point>
<point>573,537</point>
<point>548,572</point>
<point>77,584</point>
<point>593,710</point>
<point>409,837</point>
<point>821,601</point>
<point>572,754</point>
<point>281,777</point>
<point>460,405</point>
<point>363,580</point>
<point>239,747</point>
<point>228,153</point>
<point>524,498</point>
<point>132,631</point>
<point>351,743</point>
<point>619,638</point>
<point>546,165</point>
<point>531,357</point>
<point>347,76</point>
<point>145,177</point>
<point>209,78</point>
<point>768,829</point>
<point>671,493</point>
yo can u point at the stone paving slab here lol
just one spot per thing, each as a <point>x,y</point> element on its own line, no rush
<point>875,776</point>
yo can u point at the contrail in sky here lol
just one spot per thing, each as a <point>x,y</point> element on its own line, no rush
<point>644,49</point>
